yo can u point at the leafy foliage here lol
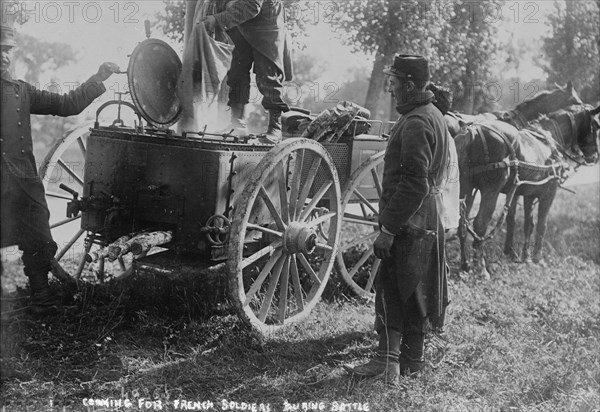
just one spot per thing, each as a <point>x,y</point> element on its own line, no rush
<point>172,20</point>
<point>35,56</point>
<point>573,48</point>
<point>457,38</point>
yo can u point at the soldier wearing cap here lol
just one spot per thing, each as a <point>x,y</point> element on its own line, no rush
<point>411,286</point>
<point>24,212</point>
<point>257,29</point>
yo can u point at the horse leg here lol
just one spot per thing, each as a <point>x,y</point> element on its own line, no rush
<point>465,209</point>
<point>509,249</point>
<point>545,202</point>
<point>484,216</point>
<point>527,226</point>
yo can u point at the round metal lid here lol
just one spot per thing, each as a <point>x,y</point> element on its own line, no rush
<point>153,74</point>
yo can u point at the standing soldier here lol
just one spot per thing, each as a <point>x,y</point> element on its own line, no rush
<point>24,212</point>
<point>411,285</point>
<point>257,29</point>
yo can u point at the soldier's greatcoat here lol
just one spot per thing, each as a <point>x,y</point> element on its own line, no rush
<point>415,160</point>
<point>261,23</point>
<point>24,211</point>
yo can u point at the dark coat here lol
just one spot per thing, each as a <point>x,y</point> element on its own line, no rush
<point>19,101</point>
<point>262,23</point>
<point>415,161</point>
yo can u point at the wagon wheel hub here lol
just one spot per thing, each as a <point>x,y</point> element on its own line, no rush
<point>299,238</point>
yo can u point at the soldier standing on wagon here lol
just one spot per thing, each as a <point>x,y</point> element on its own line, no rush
<point>24,212</point>
<point>411,286</point>
<point>257,29</point>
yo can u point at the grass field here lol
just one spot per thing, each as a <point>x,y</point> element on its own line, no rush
<point>527,340</point>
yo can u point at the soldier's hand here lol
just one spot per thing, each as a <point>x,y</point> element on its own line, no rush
<point>210,23</point>
<point>383,245</point>
<point>105,70</point>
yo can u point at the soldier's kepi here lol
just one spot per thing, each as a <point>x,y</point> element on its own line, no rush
<point>7,40</point>
<point>24,212</point>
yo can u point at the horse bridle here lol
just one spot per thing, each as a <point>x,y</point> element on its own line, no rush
<point>593,130</point>
<point>574,148</point>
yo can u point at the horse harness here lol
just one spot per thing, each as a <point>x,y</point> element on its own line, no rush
<point>514,117</point>
<point>555,171</point>
<point>549,172</point>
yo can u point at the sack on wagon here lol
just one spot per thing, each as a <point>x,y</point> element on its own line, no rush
<point>347,119</point>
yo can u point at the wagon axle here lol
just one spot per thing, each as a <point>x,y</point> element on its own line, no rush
<point>299,238</point>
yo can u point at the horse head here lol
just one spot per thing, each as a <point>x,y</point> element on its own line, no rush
<point>584,128</point>
<point>595,120</point>
<point>549,101</point>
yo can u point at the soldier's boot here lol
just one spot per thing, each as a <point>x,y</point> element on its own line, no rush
<point>412,354</point>
<point>43,301</point>
<point>273,134</point>
<point>238,120</point>
<point>385,363</point>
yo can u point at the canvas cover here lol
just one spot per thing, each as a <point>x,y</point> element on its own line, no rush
<point>206,60</point>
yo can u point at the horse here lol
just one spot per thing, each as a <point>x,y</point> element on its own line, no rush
<point>495,157</point>
<point>543,102</point>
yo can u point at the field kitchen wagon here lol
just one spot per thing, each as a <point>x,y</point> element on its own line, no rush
<point>276,218</point>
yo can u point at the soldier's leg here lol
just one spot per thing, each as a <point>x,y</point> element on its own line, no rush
<point>238,80</point>
<point>269,79</point>
<point>412,359</point>
<point>238,76</point>
<point>388,325</point>
<point>35,240</point>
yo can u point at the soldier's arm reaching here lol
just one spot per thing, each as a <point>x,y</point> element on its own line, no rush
<point>73,102</point>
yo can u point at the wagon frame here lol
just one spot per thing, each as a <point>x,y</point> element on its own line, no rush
<point>272,213</point>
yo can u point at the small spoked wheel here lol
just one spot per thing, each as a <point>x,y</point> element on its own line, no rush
<point>356,260</point>
<point>278,262</point>
<point>64,167</point>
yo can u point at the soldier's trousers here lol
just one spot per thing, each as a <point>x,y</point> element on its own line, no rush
<point>25,223</point>
<point>392,313</point>
<point>269,77</point>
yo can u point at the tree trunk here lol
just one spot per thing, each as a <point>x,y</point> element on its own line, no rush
<point>598,34</point>
<point>569,28</point>
<point>376,85</point>
<point>469,96</point>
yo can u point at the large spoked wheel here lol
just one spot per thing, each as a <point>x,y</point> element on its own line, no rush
<point>356,260</point>
<point>278,262</point>
<point>65,165</point>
